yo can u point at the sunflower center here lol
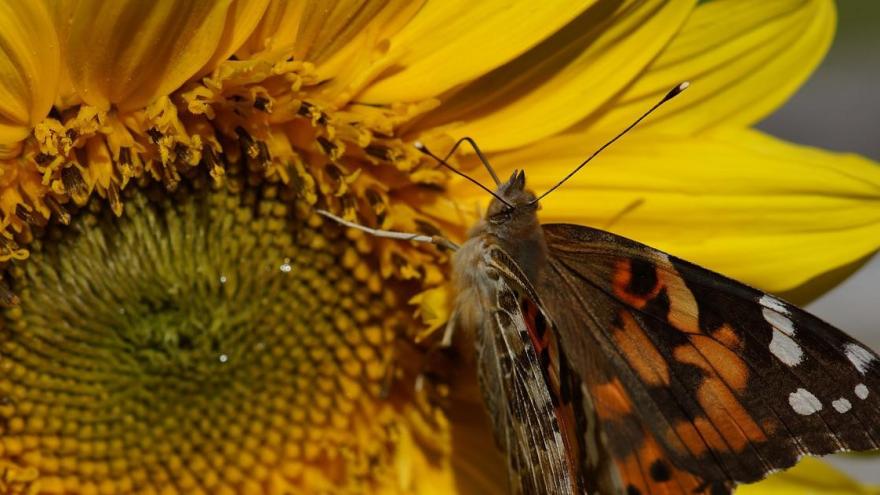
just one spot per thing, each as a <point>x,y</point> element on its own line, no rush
<point>207,341</point>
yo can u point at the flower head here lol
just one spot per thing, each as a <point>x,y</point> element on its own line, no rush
<point>178,319</point>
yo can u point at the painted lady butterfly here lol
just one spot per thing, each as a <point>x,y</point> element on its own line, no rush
<point>610,367</point>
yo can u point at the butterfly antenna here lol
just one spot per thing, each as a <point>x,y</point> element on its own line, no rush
<point>424,149</point>
<point>670,95</point>
<point>480,155</point>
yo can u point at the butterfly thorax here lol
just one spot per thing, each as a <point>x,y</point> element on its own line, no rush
<point>514,227</point>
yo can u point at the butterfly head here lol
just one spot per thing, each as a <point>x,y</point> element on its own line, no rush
<point>518,208</point>
<point>512,221</point>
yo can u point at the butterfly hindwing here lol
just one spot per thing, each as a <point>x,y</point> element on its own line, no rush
<point>721,381</point>
<point>517,388</point>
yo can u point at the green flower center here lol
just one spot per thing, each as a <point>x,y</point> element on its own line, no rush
<point>203,341</point>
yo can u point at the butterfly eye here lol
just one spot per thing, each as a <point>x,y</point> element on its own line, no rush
<point>502,216</point>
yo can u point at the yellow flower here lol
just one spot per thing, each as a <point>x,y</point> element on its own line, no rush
<point>177,319</point>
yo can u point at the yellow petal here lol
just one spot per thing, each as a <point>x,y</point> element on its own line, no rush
<point>451,42</point>
<point>316,30</point>
<point>29,68</point>
<point>127,53</point>
<point>62,16</point>
<point>589,61</point>
<point>809,476</point>
<point>766,212</point>
<point>347,41</point>
<point>322,33</point>
<point>276,29</point>
<point>432,307</point>
<point>241,20</point>
<point>306,27</point>
<point>743,58</point>
<point>352,62</point>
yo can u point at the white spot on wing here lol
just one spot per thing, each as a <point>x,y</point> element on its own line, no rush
<point>841,405</point>
<point>861,391</point>
<point>804,403</point>
<point>779,321</point>
<point>859,356</point>
<point>771,302</point>
<point>786,349</point>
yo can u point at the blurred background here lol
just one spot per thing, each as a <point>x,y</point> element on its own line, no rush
<point>839,109</point>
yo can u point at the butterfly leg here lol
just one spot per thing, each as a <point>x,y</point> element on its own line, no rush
<point>431,384</point>
<point>391,234</point>
<point>429,388</point>
<point>448,332</point>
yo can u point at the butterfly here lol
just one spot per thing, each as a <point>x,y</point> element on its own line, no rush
<point>610,367</point>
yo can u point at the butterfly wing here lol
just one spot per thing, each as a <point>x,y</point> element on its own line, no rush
<point>516,387</point>
<point>698,380</point>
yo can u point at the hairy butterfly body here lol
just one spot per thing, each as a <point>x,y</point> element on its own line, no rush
<point>609,367</point>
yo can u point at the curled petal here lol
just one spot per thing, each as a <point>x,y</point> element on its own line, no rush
<point>29,68</point>
<point>744,58</point>
<point>737,201</point>
<point>127,53</point>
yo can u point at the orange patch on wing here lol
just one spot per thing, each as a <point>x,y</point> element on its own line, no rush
<point>621,281</point>
<point>769,426</point>
<point>640,352</point>
<point>632,474</point>
<point>723,408</point>
<point>530,315</point>
<point>711,437</point>
<point>698,436</point>
<point>727,336</point>
<point>611,399</point>
<point>728,415</point>
<point>686,433</point>
<point>687,482</point>
<point>683,310</point>
<point>715,358</point>
<point>564,410</point>
<point>636,471</point>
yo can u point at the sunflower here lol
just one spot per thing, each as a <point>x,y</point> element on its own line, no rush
<point>177,318</point>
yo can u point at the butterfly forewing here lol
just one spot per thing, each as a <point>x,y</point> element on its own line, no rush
<point>716,381</point>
